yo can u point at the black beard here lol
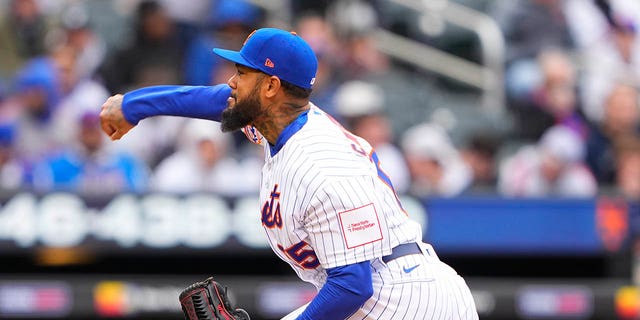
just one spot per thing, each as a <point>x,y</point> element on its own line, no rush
<point>241,115</point>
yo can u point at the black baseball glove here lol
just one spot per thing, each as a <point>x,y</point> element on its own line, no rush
<point>208,300</point>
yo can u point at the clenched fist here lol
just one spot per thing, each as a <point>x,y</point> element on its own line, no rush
<point>112,119</point>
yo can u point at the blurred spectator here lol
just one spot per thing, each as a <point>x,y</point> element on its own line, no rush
<point>154,58</point>
<point>361,106</point>
<point>434,163</point>
<point>550,100</point>
<point>522,23</point>
<point>38,89</point>
<point>152,141</point>
<point>552,167</point>
<point>39,85</point>
<point>302,7</point>
<point>79,35</point>
<point>480,155</point>
<point>609,48</point>
<point>188,16</point>
<point>89,166</point>
<point>22,35</point>
<point>48,92</point>
<point>530,26</point>
<point>590,21</point>
<point>228,24</point>
<point>85,94</point>
<point>621,118</point>
<point>13,169</point>
<point>627,152</point>
<point>614,58</point>
<point>320,36</point>
<point>354,23</point>
<point>203,164</point>
<point>77,56</point>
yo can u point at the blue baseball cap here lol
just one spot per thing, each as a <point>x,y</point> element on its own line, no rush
<point>278,53</point>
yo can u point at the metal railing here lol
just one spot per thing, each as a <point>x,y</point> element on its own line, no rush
<point>487,76</point>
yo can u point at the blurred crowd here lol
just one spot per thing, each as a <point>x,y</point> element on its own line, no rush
<point>571,127</point>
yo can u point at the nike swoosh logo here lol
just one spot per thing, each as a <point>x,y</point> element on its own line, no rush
<point>407,270</point>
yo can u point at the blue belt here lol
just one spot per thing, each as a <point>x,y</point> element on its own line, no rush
<point>402,250</point>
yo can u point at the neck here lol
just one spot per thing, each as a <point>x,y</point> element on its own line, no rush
<point>277,117</point>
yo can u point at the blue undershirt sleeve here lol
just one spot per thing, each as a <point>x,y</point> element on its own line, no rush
<point>203,102</point>
<point>347,289</point>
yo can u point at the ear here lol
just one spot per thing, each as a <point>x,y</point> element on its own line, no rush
<point>272,86</point>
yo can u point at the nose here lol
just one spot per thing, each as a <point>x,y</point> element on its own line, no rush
<point>232,82</point>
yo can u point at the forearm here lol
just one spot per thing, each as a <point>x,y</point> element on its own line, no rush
<point>203,102</point>
<point>347,289</point>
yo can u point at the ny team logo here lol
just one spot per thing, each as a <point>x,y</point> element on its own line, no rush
<point>271,216</point>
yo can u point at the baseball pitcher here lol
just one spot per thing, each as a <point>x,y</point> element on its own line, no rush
<point>327,207</point>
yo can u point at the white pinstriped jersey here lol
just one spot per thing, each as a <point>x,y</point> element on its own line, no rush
<point>325,202</point>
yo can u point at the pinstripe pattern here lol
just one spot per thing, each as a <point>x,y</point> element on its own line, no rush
<point>431,291</point>
<point>336,210</point>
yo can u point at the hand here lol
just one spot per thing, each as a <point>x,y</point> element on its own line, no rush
<point>112,119</point>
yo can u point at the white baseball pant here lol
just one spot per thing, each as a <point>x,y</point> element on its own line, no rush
<point>415,286</point>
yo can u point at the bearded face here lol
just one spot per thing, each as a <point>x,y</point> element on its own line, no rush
<point>241,113</point>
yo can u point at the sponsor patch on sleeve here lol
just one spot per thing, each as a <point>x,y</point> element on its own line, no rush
<point>360,226</point>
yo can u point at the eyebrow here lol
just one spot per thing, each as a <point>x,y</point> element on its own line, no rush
<point>249,69</point>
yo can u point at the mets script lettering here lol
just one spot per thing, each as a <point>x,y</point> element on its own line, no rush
<point>271,216</point>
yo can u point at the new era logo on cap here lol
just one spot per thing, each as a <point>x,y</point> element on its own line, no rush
<point>278,53</point>
<point>269,63</point>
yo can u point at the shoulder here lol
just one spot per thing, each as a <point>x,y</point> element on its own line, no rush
<point>324,135</point>
<point>323,145</point>
<point>317,139</point>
